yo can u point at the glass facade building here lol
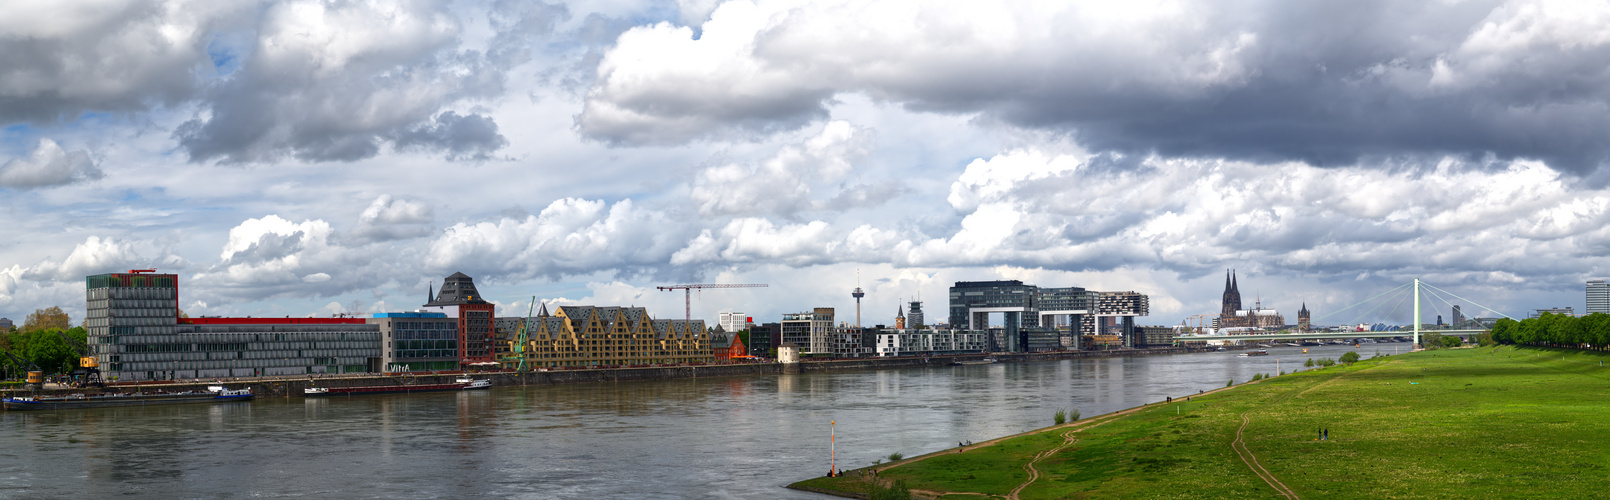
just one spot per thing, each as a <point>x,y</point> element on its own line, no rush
<point>418,341</point>
<point>135,333</point>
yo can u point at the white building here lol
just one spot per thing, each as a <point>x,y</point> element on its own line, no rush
<point>929,342</point>
<point>734,321</point>
<point>1598,297</point>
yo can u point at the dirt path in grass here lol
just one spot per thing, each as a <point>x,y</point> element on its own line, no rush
<point>1067,440</point>
<point>1240,447</point>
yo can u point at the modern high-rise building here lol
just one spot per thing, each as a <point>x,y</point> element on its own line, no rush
<point>811,330</point>
<point>135,333</point>
<point>1458,317</point>
<point>914,315</point>
<point>1598,297</point>
<point>476,333</point>
<point>734,321</point>
<point>1029,307</point>
<point>417,341</point>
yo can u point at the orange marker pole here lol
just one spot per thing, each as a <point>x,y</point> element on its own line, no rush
<point>833,452</point>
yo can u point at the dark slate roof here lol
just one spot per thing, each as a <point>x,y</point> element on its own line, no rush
<point>457,289</point>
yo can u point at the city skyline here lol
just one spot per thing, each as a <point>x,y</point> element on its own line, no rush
<point>296,158</point>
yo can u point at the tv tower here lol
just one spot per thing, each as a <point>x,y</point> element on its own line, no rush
<point>858,294</point>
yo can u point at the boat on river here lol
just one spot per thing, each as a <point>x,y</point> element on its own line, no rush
<point>462,384</point>
<point>983,361</point>
<point>1259,352</point>
<point>213,394</point>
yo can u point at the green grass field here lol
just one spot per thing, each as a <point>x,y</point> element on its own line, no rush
<point>1463,423</point>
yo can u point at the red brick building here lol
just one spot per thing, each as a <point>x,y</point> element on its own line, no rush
<point>476,335</point>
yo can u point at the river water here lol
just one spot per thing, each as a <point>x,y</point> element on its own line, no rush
<point>732,437</point>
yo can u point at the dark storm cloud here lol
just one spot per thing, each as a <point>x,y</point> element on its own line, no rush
<point>1327,84</point>
<point>59,60</point>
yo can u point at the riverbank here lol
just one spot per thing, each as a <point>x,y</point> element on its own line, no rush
<point>292,386</point>
<point>1489,422</point>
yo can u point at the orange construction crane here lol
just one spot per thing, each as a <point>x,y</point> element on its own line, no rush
<point>688,293</point>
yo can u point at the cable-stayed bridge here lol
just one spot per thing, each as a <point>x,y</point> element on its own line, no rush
<point>1401,292</point>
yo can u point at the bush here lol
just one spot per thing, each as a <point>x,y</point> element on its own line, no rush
<point>1230,383</point>
<point>1450,341</point>
<point>1061,417</point>
<point>895,457</point>
<point>1257,376</point>
<point>1310,363</point>
<point>1351,357</point>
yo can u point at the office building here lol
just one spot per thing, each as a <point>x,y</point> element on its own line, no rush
<point>1557,310</point>
<point>1154,336</point>
<point>1458,317</point>
<point>6,324</point>
<point>734,321</point>
<point>1071,311</point>
<point>764,338</point>
<point>813,330</point>
<point>1598,297</point>
<point>476,333</point>
<point>417,341</point>
<point>135,333</point>
<point>914,317</point>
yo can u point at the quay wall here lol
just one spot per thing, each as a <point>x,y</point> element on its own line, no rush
<point>293,386</point>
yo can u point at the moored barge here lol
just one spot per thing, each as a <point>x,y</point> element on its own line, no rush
<point>213,394</point>
<point>459,385</point>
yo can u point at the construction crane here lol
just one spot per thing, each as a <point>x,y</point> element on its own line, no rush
<point>518,349</point>
<point>89,369</point>
<point>688,293</point>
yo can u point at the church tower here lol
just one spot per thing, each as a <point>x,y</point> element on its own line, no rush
<point>1302,318</point>
<point>1232,301</point>
<point>900,318</point>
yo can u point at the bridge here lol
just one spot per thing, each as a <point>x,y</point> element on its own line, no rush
<point>1415,332</point>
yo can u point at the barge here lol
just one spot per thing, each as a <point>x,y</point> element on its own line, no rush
<point>462,384</point>
<point>213,394</point>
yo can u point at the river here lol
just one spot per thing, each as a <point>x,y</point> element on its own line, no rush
<point>732,437</point>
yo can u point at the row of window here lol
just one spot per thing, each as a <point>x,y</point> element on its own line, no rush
<point>242,355</point>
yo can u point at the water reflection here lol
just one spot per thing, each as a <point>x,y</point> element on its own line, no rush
<point>733,437</point>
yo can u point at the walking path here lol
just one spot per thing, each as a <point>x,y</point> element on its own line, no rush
<point>1240,447</point>
<point>1034,474</point>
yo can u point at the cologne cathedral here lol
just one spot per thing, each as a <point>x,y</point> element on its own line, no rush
<point>1234,316</point>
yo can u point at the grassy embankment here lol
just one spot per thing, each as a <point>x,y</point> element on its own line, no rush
<point>1462,423</point>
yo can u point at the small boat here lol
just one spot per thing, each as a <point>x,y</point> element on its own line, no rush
<point>983,361</point>
<point>1259,352</point>
<point>471,384</point>
<point>213,394</point>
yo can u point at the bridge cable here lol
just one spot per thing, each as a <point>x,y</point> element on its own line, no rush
<point>1472,302</point>
<point>1404,294</point>
<point>1362,302</point>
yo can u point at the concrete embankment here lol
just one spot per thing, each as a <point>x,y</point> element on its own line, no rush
<point>293,386</point>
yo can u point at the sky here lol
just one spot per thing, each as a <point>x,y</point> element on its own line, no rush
<point>297,158</point>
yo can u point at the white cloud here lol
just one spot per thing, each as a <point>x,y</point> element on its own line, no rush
<point>49,165</point>
<point>389,218</point>
<point>784,183</point>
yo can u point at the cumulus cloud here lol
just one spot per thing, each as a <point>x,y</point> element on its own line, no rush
<point>1265,82</point>
<point>783,184</point>
<point>61,59</point>
<point>49,165</point>
<point>389,218</point>
<point>271,256</point>
<point>569,237</point>
<point>335,82</point>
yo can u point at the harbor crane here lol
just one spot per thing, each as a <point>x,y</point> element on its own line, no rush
<point>688,293</point>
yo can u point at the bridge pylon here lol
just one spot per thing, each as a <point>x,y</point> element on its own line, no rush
<point>1416,313</point>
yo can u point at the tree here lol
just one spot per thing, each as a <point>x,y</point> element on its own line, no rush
<point>48,318</point>
<point>1504,331</point>
<point>1349,357</point>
